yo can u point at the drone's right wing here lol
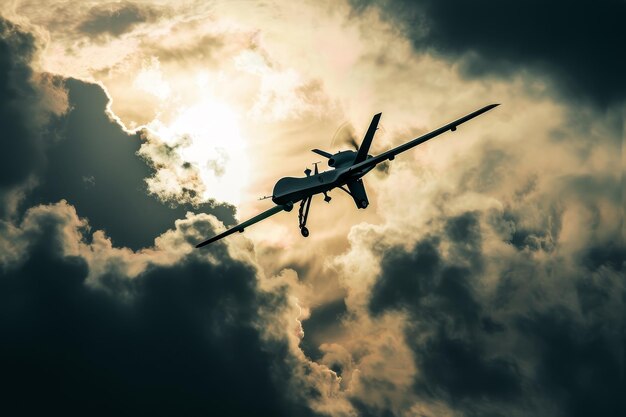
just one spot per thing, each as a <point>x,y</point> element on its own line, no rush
<point>241,226</point>
<point>390,154</point>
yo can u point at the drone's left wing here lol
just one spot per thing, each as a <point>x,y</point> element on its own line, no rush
<point>241,226</point>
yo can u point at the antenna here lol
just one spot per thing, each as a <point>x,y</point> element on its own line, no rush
<point>317,170</point>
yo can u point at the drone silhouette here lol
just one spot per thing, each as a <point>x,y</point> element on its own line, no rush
<point>348,167</point>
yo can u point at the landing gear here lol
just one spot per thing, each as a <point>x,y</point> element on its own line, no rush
<point>363,203</point>
<point>303,215</point>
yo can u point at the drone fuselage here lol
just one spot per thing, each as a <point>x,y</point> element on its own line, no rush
<point>291,190</point>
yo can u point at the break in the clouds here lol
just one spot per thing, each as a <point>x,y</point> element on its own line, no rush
<point>486,277</point>
<point>574,43</point>
<point>60,142</point>
<point>82,156</point>
<point>94,165</point>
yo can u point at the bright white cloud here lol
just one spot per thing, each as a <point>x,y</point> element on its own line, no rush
<point>150,79</point>
<point>207,136</point>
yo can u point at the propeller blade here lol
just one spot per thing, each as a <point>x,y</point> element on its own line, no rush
<point>354,143</point>
<point>344,135</point>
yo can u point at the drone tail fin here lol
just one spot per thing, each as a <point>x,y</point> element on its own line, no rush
<point>367,140</point>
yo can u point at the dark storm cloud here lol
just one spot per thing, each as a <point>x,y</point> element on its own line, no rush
<point>494,355</point>
<point>501,317</point>
<point>177,340</point>
<point>115,19</point>
<point>16,91</point>
<point>408,278</point>
<point>321,326</point>
<point>21,110</point>
<point>439,293</point>
<point>95,167</point>
<point>580,367</point>
<point>577,44</point>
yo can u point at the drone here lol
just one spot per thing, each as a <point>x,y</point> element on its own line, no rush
<point>347,170</point>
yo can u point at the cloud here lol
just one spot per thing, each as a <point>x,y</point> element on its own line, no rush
<point>438,294</point>
<point>29,100</point>
<point>178,338</point>
<point>92,145</point>
<point>573,43</point>
<point>115,19</point>
<point>60,132</point>
<point>485,278</point>
<point>506,288</point>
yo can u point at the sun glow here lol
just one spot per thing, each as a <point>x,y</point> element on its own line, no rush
<point>150,80</point>
<point>207,135</point>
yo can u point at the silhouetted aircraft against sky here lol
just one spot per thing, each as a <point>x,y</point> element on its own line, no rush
<point>347,169</point>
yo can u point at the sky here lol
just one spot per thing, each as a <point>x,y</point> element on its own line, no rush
<point>486,278</point>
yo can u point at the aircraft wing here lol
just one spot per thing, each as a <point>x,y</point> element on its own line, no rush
<point>241,226</point>
<point>390,154</point>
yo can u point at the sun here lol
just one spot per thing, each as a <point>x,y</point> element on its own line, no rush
<point>206,134</point>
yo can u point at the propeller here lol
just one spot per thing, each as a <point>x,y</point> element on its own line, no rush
<point>345,134</point>
<point>354,144</point>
